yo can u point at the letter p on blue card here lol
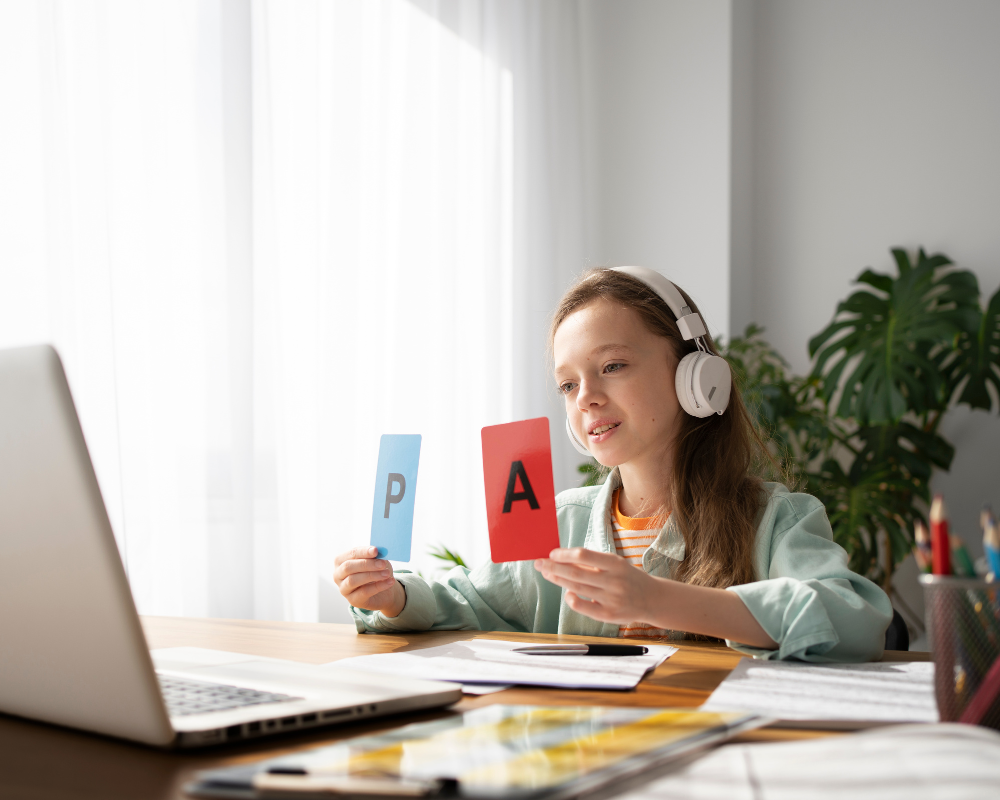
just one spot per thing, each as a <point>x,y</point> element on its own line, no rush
<point>395,491</point>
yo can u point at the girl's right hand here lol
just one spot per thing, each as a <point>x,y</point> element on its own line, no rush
<point>367,582</point>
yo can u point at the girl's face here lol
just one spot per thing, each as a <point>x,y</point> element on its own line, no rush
<point>618,380</point>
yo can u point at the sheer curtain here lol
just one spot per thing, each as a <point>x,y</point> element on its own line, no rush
<point>261,236</point>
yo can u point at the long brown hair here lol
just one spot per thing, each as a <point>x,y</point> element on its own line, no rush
<point>716,494</point>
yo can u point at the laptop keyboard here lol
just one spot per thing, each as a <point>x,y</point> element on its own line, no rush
<point>184,696</point>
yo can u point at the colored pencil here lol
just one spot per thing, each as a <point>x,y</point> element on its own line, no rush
<point>940,544</point>
<point>984,696</point>
<point>922,550</point>
<point>960,559</point>
<point>991,546</point>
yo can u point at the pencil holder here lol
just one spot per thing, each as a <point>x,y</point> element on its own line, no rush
<point>963,628</point>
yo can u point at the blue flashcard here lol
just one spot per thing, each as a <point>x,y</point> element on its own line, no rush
<point>395,490</point>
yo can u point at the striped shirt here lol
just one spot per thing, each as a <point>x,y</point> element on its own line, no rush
<point>633,536</point>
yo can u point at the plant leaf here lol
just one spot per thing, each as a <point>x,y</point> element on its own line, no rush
<point>975,359</point>
<point>594,471</point>
<point>445,554</point>
<point>882,349</point>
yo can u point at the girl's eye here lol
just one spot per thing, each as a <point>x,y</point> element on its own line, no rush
<point>613,367</point>
<point>566,388</point>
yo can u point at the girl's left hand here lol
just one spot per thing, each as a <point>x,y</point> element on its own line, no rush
<point>603,586</point>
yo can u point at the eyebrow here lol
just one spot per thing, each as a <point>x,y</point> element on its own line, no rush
<point>604,348</point>
<point>597,351</point>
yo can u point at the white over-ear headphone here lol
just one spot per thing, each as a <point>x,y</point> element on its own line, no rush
<point>703,380</point>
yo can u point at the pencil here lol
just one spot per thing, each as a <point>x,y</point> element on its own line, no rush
<point>961,559</point>
<point>991,546</point>
<point>940,544</point>
<point>922,551</point>
<point>984,696</point>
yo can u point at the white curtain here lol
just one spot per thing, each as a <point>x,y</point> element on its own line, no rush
<point>263,235</point>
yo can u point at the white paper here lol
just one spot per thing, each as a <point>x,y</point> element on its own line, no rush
<point>491,661</point>
<point>484,688</point>
<point>903,762</point>
<point>882,691</point>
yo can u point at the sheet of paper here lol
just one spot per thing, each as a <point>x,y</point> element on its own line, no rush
<point>894,763</point>
<point>491,661</point>
<point>520,493</point>
<point>876,692</point>
<point>187,658</point>
<point>484,688</point>
<point>395,493</point>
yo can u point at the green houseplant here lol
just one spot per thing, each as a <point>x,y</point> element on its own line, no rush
<point>861,430</point>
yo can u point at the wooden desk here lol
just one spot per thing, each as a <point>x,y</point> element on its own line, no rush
<point>42,762</point>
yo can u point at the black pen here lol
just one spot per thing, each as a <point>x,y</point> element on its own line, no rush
<point>583,650</point>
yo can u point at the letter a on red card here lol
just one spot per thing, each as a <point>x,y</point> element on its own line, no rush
<point>520,494</point>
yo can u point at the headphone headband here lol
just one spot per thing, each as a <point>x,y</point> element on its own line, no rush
<point>689,322</point>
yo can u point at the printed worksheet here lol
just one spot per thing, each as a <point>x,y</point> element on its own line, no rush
<point>492,661</point>
<point>881,691</point>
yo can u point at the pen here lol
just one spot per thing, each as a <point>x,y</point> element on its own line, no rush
<point>583,650</point>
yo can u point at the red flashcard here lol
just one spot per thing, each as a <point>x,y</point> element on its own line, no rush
<point>520,494</point>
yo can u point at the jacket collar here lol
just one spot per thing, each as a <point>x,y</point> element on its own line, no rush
<point>600,536</point>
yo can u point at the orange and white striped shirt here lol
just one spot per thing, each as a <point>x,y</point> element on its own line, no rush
<point>633,536</point>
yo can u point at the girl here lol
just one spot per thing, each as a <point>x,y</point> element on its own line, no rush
<point>682,537</point>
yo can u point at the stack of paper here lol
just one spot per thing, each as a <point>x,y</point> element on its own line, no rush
<point>895,763</point>
<point>879,692</point>
<point>491,661</point>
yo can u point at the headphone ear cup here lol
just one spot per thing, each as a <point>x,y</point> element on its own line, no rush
<point>713,383</point>
<point>682,383</point>
<point>704,383</point>
<point>577,444</point>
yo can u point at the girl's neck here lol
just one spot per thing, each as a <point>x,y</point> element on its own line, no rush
<point>644,492</point>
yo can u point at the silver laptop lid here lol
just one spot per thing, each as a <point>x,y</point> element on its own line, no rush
<point>71,647</point>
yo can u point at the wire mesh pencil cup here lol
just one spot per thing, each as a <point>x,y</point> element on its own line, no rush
<point>963,629</point>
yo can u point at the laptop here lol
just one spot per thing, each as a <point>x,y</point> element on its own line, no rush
<point>72,651</point>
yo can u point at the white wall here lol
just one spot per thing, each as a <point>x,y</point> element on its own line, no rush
<point>658,84</point>
<point>877,124</point>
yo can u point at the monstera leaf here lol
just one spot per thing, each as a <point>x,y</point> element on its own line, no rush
<point>880,348</point>
<point>976,356</point>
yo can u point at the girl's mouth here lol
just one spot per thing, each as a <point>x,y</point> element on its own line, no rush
<point>602,431</point>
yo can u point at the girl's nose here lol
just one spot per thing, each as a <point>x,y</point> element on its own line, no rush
<point>588,396</point>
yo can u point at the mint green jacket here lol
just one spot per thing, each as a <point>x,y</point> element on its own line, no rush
<point>805,597</point>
